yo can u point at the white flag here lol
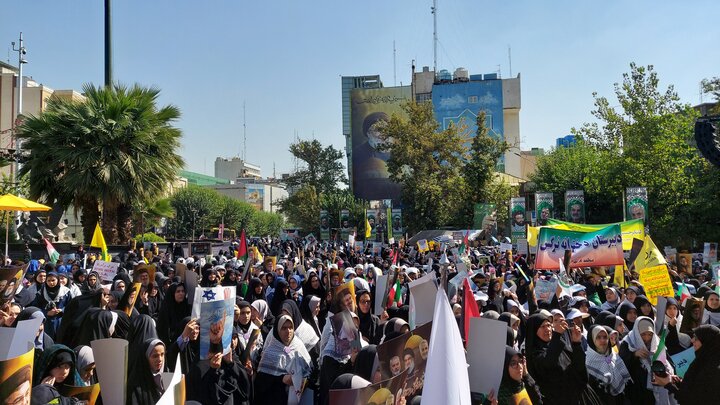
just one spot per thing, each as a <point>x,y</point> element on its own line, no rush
<point>446,364</point>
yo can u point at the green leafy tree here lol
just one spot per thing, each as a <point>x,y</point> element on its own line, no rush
<point>321,167</point>
<point>479,169</point>
<point>302,209</point>
<point>427,163</point>
<point>196,208</point>
<point>712,87</point>
<point>339,200</point>
<point>265,223</point>
<point>114,150</point>
<point>645,138</point>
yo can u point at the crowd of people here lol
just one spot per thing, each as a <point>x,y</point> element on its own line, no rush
<point>601,344</point>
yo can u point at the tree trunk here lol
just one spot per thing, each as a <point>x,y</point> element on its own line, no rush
<point>110,221</point>
<point>89,217</point>
<point>125,223</point>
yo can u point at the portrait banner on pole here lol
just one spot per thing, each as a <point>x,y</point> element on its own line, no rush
<point>544,207</point>
<point>517,219</point>
<point>575,206</point>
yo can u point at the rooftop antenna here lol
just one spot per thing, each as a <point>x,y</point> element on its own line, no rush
<point>435,37</point>
<point>244,152</point>
<point>510,60</point>
<point>394,66</point>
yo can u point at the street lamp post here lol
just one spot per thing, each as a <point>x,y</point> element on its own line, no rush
<point>194,212</point>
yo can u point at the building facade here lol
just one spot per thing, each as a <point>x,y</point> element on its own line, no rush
<point>457,99</point>
<point>234,168</point>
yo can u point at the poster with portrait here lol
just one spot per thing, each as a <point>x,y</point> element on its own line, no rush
<point>397,223</point>
<point>685,262</point>
<point>324,225</point>
<point>10,279</point>
<point>371,217</point>
<point>636,204</point>
<point>415,354</point>
<point>709,253</point>
<point>575,206</point>
<point>16,379</point>
<point>215,308</point>
<point>544,208</point>
<point>390,356</point>
<point>345,225</point>
<point>345,333</point>
<point>485,219</point>
<point>517,219</point>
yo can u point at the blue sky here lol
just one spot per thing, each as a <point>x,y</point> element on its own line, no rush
<point>284,58</point>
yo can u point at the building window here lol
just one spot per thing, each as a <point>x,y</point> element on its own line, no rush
<point>472,100</point>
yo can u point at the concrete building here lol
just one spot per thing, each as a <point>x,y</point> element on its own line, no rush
<point>261,194</point>
<point>235,167</point>
<point>35,97</point>
<point>457,98</point>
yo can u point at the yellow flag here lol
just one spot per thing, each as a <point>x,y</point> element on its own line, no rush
<point>98,241</point>
<point>649,255</point>
<point>619,278</point>
<point>367,227</point>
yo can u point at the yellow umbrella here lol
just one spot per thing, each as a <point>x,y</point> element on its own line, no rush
<point>9,202</point>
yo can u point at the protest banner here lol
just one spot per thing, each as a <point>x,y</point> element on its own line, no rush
<point>397,223</point>
<point>544,207</point>
<point>486,340</point>
<point>589,249</point>
<point>344,224</point>
<point>506,247</point>
<point>422,299</point>
<point>415,353</point>
<point>87,395</point>
<point>15,341</point>
<point>715,267</point>
<point>215,308</point>
<point>684,264</point>
<point>389,391</point>
<point>390,356</point>
<point>630,229</point>
<point>16,378</point>
<point>106,270</point>
<point>111,361</point>
<point>656,282</point>
<point>683,360</point>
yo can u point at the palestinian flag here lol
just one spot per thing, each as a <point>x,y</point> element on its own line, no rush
<point>52,253</point>
<point>242,251</point>
<point>465,245</point>
<point>395,294</point>
<point>471,307</point>
<point>683,293</point>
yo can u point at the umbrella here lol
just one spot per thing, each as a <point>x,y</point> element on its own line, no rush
<point>9,202</point>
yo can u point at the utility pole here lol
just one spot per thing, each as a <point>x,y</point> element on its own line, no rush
<point>108,44</point>
<point>435,37</point>
<point>21,61</point>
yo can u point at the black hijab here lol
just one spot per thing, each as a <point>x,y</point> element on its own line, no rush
<point>641,300</point>
<point>172,313</point>
<point>278,296</point>
<point>143,328</point>
<point>292,309</point>
<point>307,314</point>
<point>606,318</point>
<point>309,290</point>
<point>240,328</point>
<point>365,361</point>
<point>141,387</point>
<point>623,310</point>
<point>250,295</point>
<point>368,322</point>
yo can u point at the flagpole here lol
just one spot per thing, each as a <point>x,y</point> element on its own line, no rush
<point>7,227</point>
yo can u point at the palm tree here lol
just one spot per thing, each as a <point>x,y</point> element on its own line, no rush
<point>114,150</point>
